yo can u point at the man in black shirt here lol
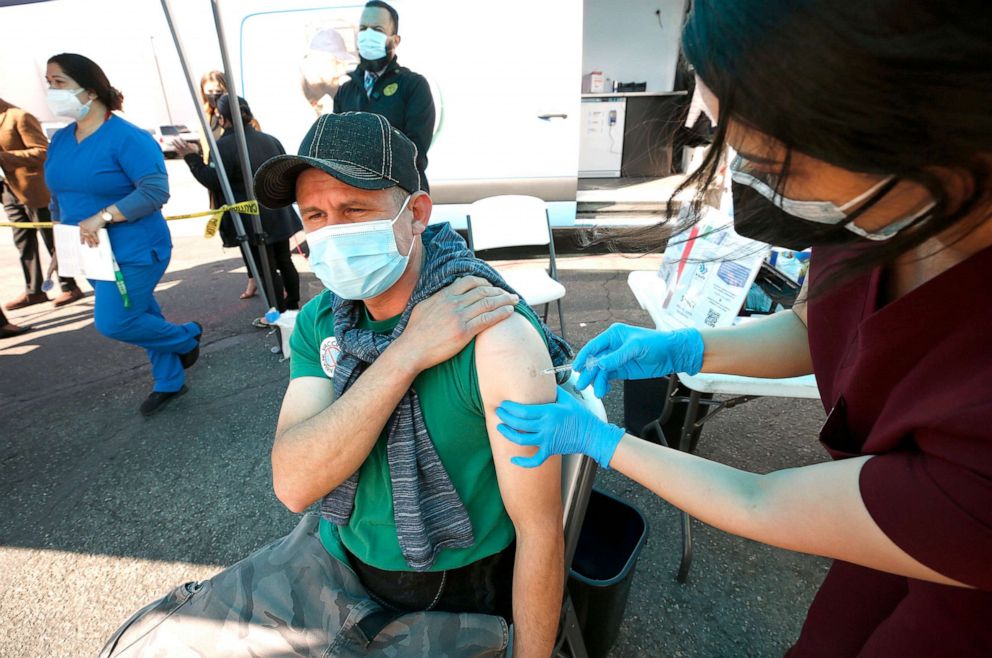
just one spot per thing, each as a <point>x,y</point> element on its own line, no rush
<point>381,86</point>
<point>278,224</point>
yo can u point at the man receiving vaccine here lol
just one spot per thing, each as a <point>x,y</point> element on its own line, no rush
<point>388,427</point>
<point>381,86</point>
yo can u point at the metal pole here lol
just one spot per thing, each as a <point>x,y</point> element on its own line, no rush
<point>246,171</point>
<point>208,133</point>
<point>161,82</point>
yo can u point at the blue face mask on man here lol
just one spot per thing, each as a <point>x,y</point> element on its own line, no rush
<point>358,261</point>
<point>372,44</point>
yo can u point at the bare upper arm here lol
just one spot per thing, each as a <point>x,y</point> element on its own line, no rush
<point>509,359</point>
<point>305,398</point>
<point>819,509</point>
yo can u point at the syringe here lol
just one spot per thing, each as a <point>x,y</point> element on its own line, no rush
<point>590,362</point>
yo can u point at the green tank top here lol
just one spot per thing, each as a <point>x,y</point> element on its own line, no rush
<point>455,417</point>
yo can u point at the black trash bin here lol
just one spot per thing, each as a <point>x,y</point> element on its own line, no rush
<point>611,539</point>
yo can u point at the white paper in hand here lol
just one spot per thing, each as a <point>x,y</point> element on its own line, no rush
<point>77,259</point>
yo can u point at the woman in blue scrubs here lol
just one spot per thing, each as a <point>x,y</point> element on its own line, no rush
<point>104,172</point>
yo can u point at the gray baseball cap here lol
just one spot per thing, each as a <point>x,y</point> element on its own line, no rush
<point>357,148</point>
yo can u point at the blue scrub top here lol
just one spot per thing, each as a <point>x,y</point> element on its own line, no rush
<point>84,178</point>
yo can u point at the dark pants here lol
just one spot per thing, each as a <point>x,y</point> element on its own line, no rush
<point>26,241</point>
<point>285,278</point>
<point>484,587</point>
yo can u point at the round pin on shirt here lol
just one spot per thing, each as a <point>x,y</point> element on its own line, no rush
<point>329,353</point>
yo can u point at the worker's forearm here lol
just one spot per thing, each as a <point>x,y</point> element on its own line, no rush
<point>538,579</point>
<point>716,494</point>
<point>314,456</point>
<point>773,346</point>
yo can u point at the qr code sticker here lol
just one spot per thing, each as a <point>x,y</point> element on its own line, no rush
<point>712,317</point>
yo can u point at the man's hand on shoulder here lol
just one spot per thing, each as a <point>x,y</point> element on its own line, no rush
<point>444,323</point>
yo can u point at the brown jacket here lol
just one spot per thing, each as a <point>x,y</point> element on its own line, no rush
<point>23,147</point>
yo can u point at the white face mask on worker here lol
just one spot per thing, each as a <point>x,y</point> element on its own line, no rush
<point>65,103</point>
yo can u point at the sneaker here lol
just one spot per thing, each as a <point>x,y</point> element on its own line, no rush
<point>68,297</point>
<point>157,400</point>
<point>189,358</point>
<point>27,299</point>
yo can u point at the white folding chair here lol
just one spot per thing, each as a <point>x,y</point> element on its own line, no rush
<point>516,221</point>
<point>673,309</point>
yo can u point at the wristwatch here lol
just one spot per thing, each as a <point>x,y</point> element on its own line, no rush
<point>106,216</point>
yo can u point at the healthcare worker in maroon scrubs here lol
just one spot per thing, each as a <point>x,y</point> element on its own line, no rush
<point>863,129</point>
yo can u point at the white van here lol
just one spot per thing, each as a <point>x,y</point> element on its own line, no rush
<point>505,76</point>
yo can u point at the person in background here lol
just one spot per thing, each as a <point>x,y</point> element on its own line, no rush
<point>279,224</point>
<point>324,69</point>
<point>381,86</point>
<point>213,85</point>
<point>25,199</point>
<point>105,172</point>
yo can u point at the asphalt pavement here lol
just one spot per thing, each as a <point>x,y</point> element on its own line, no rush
<point>104,510</point>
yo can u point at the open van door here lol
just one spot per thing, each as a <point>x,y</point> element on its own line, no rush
<point>505,78</point>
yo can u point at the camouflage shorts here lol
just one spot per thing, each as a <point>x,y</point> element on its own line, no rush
<point>291,598</point>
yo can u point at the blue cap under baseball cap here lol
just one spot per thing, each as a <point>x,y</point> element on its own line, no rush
<point>359,149</point>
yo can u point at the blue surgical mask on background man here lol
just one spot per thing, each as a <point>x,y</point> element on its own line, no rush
<point>372,44</point>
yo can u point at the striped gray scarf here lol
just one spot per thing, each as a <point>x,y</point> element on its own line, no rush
<point>428,512</point>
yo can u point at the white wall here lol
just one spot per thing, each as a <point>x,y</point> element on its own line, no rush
<point>625,42</point>
<point>118,35</point>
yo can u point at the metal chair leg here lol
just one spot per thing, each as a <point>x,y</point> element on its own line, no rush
<point>571,635</point>
<point>685,441</point>
<point>561,318</point>
<point>547,309</point>
<point>686,561</point>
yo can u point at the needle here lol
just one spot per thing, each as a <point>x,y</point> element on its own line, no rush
<point>590,362</point>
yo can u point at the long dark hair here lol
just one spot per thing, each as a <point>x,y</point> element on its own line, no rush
<point>91,77</point>
<point>883,87</point>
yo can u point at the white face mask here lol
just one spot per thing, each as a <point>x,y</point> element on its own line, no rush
<point>358,261</point>
<point>372,44</point>
<point>65,103</point>
<point>822,212</point>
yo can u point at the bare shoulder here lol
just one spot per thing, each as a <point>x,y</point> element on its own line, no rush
<point>509,358</point>
<point>514,335</point>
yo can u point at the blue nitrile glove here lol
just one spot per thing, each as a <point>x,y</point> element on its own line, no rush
<point>626,352</point>
<point>564,427</point>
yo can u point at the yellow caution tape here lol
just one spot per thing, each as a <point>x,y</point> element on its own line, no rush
<point>245,207</point>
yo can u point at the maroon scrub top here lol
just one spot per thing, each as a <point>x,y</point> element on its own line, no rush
<point>911,383</point>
